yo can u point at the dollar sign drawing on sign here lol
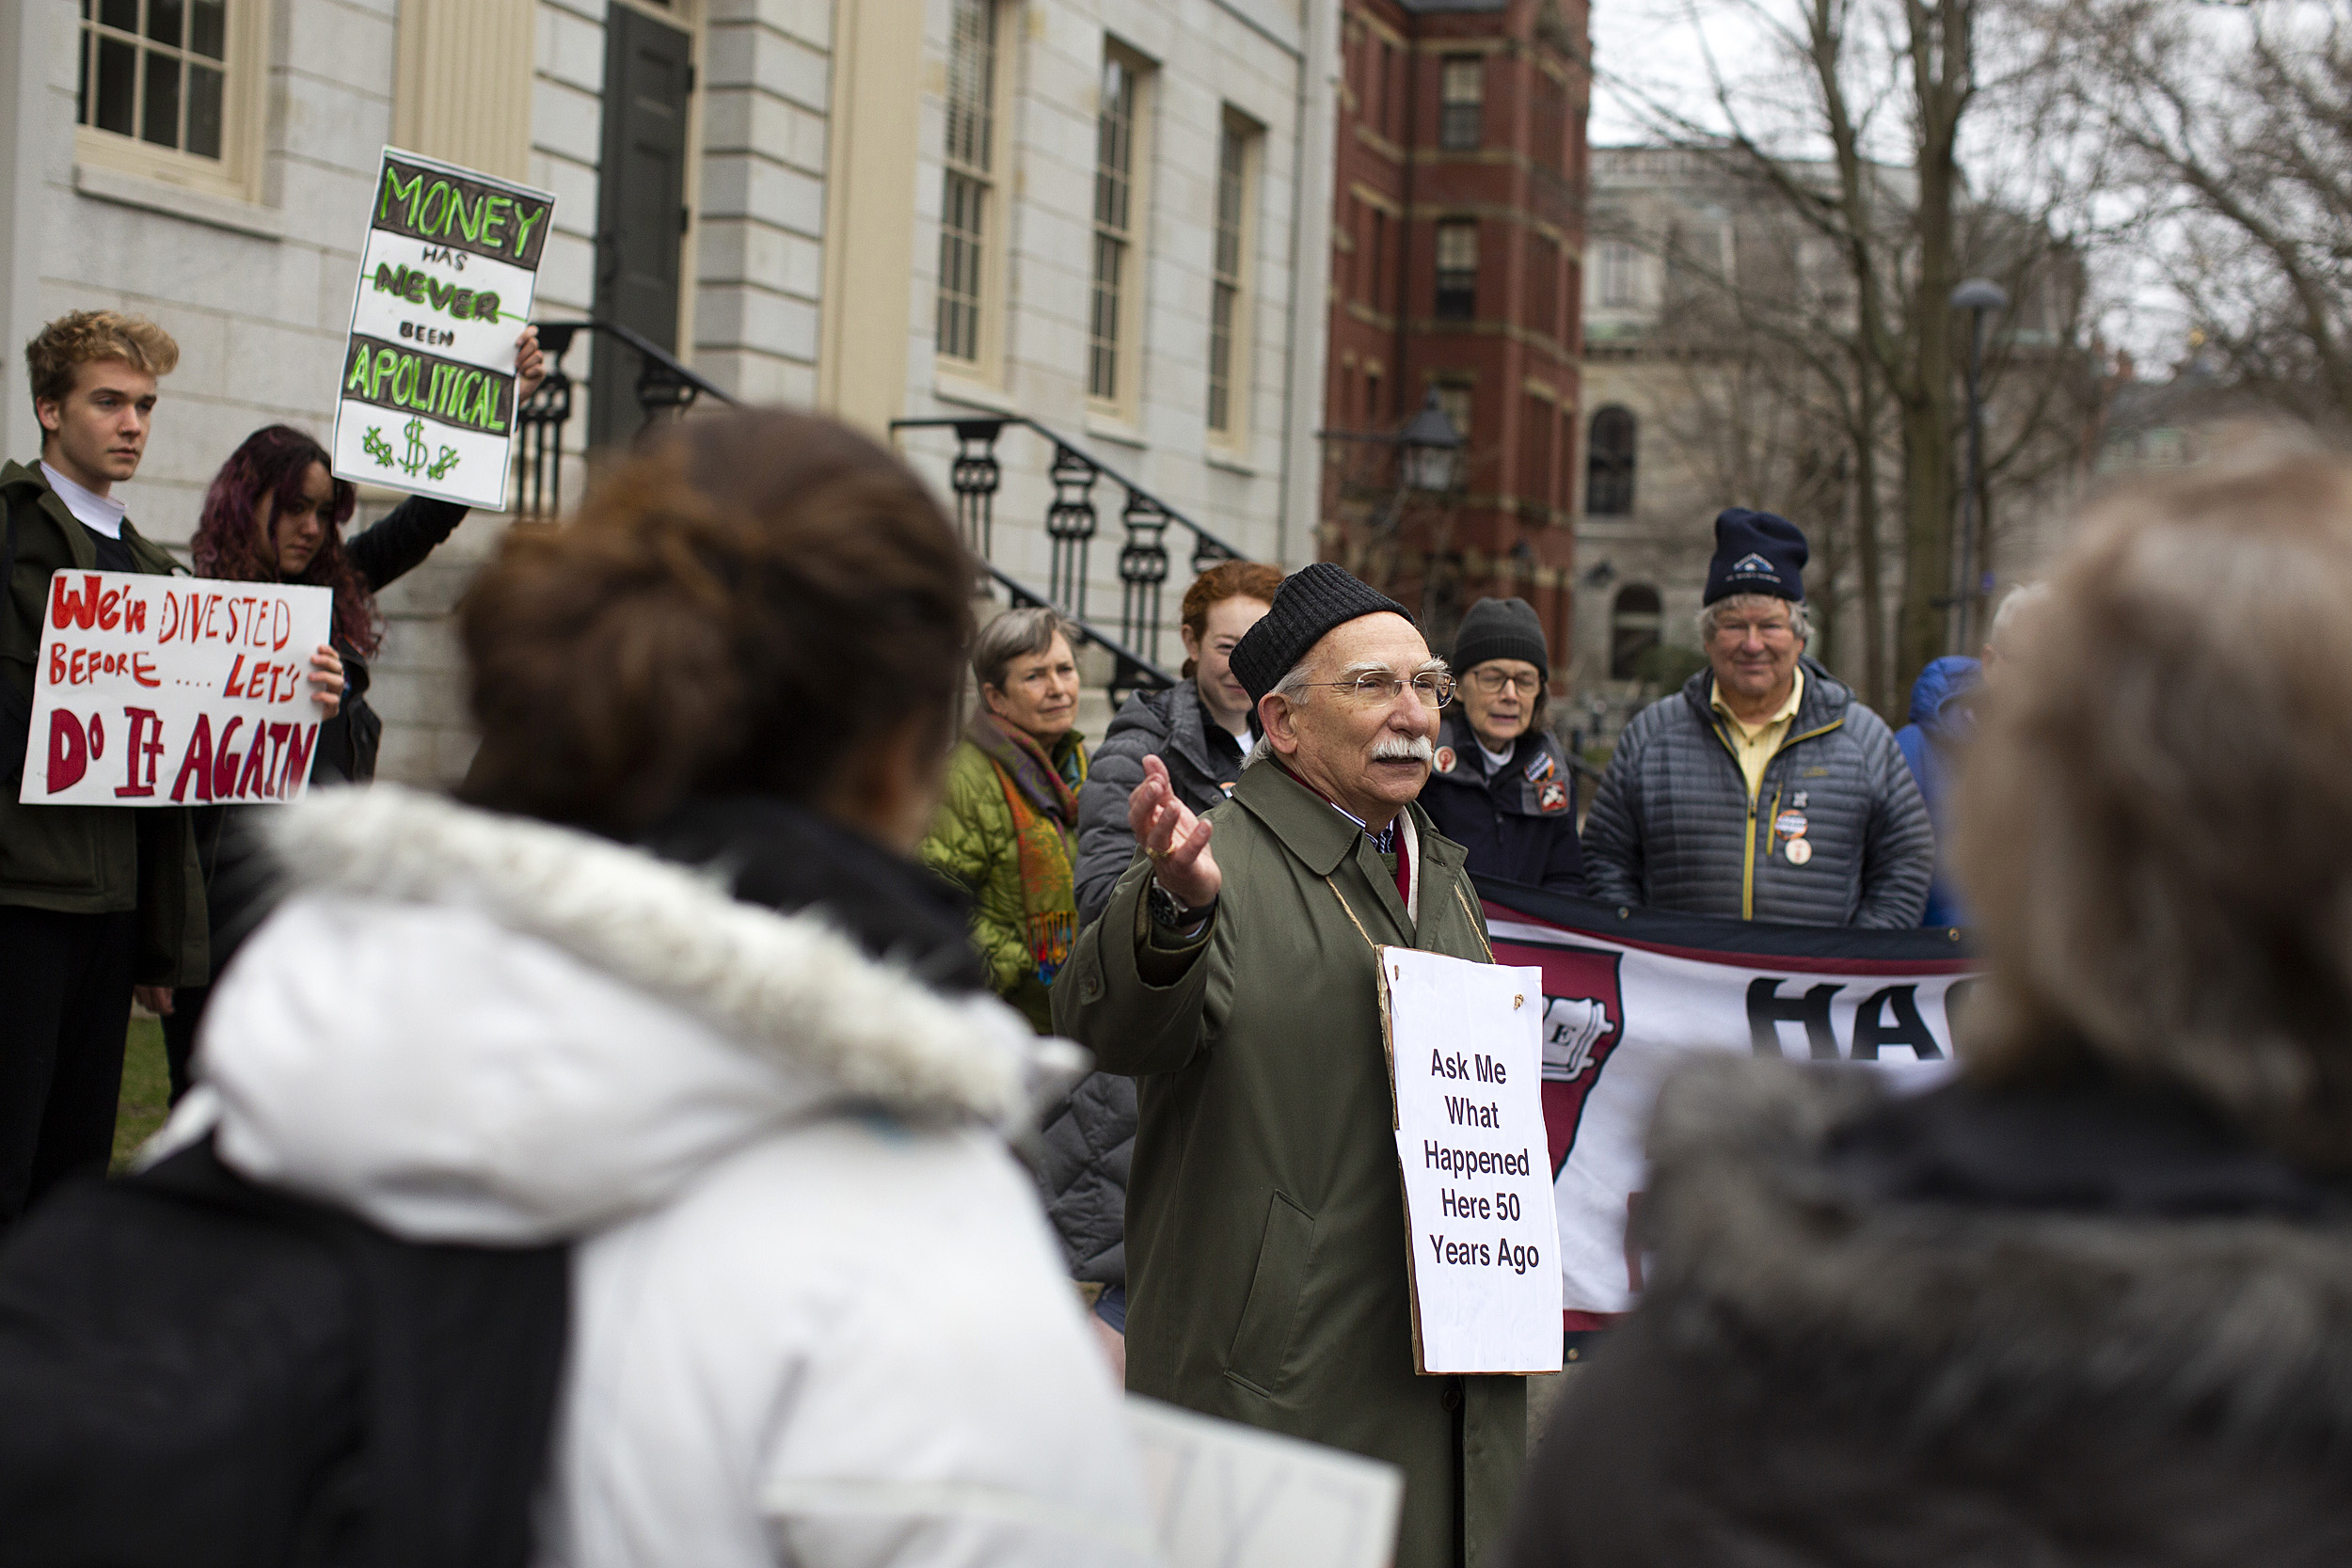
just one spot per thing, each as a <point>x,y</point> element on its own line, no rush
<point>415,457</point>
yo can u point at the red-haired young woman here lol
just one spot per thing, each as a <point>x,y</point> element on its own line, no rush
<point>276,513</point>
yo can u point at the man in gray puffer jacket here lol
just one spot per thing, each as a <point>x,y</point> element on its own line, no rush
<point>1761,791</point>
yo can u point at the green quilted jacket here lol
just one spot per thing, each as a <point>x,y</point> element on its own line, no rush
<point>1023,925</point>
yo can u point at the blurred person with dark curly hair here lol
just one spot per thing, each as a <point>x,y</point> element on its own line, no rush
<point>2092,1302</point>
<point>276,512</point>
<point>668,987</point>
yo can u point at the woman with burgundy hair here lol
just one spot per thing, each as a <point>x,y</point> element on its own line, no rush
<point>276,513</point>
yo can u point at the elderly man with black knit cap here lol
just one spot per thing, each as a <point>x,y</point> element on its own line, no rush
<point>1239,983</point>
<point>1761,791</point>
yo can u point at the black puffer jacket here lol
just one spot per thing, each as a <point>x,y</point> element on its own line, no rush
<point>1203,763</point>
<point>1519,822</point>
<point>1086,1142</point>
<point>1673,827</point>
<point>236,880</point>
<point>2063,1326</point>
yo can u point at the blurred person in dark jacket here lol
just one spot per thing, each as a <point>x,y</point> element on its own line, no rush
<point>1502,788</point>
<point>2092,1301</point>
<point>1200,729</point>
<point>1942,720</point>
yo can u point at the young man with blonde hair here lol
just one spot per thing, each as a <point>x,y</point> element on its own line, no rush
<point>93,901</point>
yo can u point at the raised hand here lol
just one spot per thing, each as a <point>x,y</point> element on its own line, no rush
<point>1177,841</point>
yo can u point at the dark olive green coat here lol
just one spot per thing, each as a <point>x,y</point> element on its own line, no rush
<point>1266,1217</point>
<point>89,859</point>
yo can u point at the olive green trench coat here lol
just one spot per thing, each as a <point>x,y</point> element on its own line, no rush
<point>1265,1215</point>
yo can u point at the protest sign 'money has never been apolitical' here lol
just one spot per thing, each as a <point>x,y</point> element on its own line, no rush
<point>1466,1064</point>
<point>445,287</point>
<point>173,691</point>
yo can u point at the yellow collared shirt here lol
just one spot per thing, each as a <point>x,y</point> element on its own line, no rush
<point>1754,745</point>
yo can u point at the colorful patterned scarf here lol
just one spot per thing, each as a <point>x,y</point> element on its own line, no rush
<point>1044,806</point>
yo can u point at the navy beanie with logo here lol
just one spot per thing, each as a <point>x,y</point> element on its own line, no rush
<point>1756,552</point>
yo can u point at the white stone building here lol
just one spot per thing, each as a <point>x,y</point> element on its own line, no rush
<point>1122,210</point>
<point>776,225</point>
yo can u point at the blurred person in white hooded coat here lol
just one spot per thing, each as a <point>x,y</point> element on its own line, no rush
<point>667,987</point>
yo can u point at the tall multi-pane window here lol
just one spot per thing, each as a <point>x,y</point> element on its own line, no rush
<point>968,185</point>
<point>1609,458</point>
<point>1624,280</point>
<point>1635,626</point>
<point>1461,102</point>
<point>1538,420</point>
<point>1457,270</point>
<point>1228,319</point>
<point>1543,285</point>
<point>157,71</point>
<point>1115,214</point>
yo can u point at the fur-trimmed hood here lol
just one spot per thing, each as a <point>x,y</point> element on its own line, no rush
<point>470,1026</point>
<point>2068,1325</point>
<point>2132,1257</point>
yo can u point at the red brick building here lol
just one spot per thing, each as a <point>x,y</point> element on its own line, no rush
<point>1457,267</point>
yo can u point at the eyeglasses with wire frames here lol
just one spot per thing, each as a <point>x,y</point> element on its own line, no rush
<point>1432,686</point>
<point>1490,681</point>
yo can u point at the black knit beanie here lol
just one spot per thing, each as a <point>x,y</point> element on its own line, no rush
<point>1500,628</point>
<point>1755,552</point>
<point>1311,602</point>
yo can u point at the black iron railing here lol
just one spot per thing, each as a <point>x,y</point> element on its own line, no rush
<point>664,385</point>
<point>1130,670</point>
<point>1073,519</point>
<point>667,387</point>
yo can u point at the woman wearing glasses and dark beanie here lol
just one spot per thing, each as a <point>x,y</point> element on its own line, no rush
<point>1502,787</point>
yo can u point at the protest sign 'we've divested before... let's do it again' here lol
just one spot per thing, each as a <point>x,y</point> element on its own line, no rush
<point>173,691</point>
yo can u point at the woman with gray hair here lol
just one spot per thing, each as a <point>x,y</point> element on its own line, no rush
<point>1003,832</point>
<point>2092,1302</point>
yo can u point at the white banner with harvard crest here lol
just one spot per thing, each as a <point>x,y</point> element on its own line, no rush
<point>1629,997</point>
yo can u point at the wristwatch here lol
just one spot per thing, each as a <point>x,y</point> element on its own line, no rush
<point>1170,914</point>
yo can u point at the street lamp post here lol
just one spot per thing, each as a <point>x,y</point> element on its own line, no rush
<point>1432,448</point>
<point>1980,297</point>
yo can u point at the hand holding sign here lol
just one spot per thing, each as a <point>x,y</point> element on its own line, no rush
<point>326,680</point>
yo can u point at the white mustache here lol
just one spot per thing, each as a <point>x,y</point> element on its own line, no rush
<point>1396,748</point>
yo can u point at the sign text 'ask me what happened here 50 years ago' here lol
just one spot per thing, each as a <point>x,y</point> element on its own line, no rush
<point>445,287</point>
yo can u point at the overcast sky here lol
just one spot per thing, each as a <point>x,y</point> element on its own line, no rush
<point>1668,53</point>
